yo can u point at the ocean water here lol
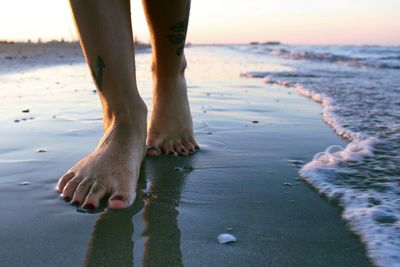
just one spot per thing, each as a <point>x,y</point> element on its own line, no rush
<point>359,89</point>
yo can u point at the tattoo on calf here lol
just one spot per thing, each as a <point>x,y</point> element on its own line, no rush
<point>97,72</point>
<point>179,30</point>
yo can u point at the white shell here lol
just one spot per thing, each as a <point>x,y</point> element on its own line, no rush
<point>226,238</point>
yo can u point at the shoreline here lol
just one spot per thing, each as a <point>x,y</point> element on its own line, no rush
<point>244,181</point>
<point>20,57</point>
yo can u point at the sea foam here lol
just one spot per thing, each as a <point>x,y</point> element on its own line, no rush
<point>374,216</point>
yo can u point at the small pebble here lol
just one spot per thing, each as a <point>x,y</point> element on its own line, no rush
<point>24,183</point>
<point>296,163</point>
<point>25,111</point>
<point>255,121</point>
<point>229,229</point>
<point>288,184</point>
<point>226,239</point>
<point>16,120</point>
<point>41,150</point>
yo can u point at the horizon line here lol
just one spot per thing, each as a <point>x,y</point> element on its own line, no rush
<point>188,43</point>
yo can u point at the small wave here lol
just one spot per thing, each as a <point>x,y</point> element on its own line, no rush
<point>317,56</point>
<point>283,74</point>
<point>390,58</point>
<point>329,108</point>
<point>387,66</point>
<point>361,105</point>
<point>379,63</point>
<point>371,214</point>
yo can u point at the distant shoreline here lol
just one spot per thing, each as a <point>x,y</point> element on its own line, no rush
<point>17,57</point>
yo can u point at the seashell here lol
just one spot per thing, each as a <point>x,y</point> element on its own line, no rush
<point>226,238</point>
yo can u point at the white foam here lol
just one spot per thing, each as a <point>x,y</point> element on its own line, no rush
<point>372,215</point>
<point>377,224</point>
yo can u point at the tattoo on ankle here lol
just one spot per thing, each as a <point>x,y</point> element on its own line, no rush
<point>97,72</point>
<point>179,30</point>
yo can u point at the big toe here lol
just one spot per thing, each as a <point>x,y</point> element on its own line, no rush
<point>121,200</point>
<point>153,151</point>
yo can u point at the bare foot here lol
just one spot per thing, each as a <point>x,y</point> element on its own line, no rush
<point>171,128</point>
<point>112,169</point>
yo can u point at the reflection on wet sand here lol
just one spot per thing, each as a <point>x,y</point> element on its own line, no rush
<point>111,243</point>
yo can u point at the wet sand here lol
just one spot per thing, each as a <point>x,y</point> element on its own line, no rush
<point>253,139</point>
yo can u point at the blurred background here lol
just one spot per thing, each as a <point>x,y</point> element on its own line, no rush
<point>229,21</point>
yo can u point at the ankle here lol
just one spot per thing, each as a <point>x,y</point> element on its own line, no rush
<point>169,71</point>
<point>127,116</point>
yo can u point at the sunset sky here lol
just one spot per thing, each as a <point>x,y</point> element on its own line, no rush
<point>230,21</point>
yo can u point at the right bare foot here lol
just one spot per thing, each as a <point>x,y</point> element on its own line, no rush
<point>112,169</point>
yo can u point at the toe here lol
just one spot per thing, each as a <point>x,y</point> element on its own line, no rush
<point>64,180</point>
<point>189,147</point>
<point>70,188</point>
<point>181,149</point>
<point>153,151</point>
<point>121,199</point>
<point>81,192</point>
<point>168,149</point>
<point>96,193</point>
<point>194,143</point>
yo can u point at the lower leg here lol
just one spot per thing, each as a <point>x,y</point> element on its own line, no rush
<point>113,167</point>
<point>171,128</point>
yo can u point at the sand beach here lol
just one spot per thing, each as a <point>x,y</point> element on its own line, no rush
<point>244,181</point>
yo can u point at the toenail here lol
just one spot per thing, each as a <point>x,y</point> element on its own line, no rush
<point>75,203</point>
<point>154,148</point>
<point>67,199</point>
<point>89,206</point>
<point>120,198</point>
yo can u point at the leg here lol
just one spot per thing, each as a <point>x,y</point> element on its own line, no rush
<point>113,167</point>
<point>170,129</point>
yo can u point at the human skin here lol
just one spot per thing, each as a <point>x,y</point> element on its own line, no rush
<point>105,34</point>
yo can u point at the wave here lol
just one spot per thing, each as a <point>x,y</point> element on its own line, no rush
<point>327,57</point>
<point>317,56</point>
<point>371,211</point>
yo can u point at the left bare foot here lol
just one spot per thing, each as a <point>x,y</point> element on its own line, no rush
<point>170,128</point>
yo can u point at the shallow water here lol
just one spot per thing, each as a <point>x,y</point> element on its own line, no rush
<point>254,137</point>
<point>359,87</point>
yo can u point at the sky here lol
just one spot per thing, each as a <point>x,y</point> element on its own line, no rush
<point>229,21</point>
